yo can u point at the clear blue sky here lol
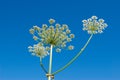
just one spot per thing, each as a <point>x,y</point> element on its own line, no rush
<point>100,60</point>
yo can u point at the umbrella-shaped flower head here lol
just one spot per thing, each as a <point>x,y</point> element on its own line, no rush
<point>94,25</point>
<point>53,34</point>
<point>38,50</point>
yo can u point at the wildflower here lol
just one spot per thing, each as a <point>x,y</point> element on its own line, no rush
<point>63,45</point>
<point>58,50</point>
<point>47,48</point>
<point>68,39</point>
<point>55,35</point>
<point>72,35</point>
<point>31,31</point>
<point>35,38</point>
<point>57,25</point>
<point>51,21</point>
<point>94,17</point>
<point>84,21</point>
<point>94,25</point>
<point>65,26</point>
<point>35,27</point>
<point>70,47</point>
<point>101,20</point>
<point>38,50</point>
<point>68,31</point>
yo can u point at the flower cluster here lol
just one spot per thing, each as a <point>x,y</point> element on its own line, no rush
<point>94,25</point>
<point>53,34</point>
<point>38,50</point>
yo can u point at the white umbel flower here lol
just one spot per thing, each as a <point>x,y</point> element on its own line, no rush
<point>94,25</point>
<point>38,50</point>
<point>54,34</point>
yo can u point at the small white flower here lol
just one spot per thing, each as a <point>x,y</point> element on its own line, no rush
<point>84,21</point>
<point>72,36</point>
<point>68,31</point>
<point>35,27</point>
<point>70,47</point>
<point>68,39</point>
<point>51,21</point>
<point>101,20</point>
<point>47,48</point>
<point>44,26</point>
<point>65,26</point>
<point>105,25</point>
<point>94,17</point>
<point>57,25</point>
<point>58,50</point>
<point>35,38</point>
<point>51,27</point>
<point>100,31</point>
<point>63,45</point>
<point>31,31</point>
<point>89,19</point>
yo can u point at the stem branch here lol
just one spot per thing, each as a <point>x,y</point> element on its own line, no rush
<point>74,58</point>
<point>42,66</point>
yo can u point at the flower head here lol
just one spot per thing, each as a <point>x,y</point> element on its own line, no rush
<point>94,25</point>
<point>38,50</point>
<point>53,34</point>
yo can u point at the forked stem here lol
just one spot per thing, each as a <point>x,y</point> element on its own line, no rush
<point>74,58</point>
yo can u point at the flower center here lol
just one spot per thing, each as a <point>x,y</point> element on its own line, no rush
<point>92,28</point>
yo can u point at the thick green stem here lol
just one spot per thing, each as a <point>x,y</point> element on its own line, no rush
<point>50,63</point>
<point>71,61</point>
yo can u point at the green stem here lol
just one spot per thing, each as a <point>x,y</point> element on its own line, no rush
<point>42,66</point>
<point>50,63</point>
<point>71,61</point>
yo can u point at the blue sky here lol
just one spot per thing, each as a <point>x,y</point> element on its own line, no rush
<point>100,60</point>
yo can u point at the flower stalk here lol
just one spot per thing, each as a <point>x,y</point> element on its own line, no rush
<point>71,61</point>
<point>57,36</point>
<point>42,66</point>
<point>50,63</point>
